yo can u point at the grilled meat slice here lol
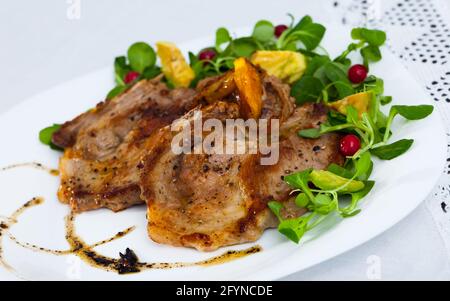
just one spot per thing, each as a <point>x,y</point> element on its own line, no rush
<point>185,193</point>
<point>297,153</point>
<point>97,133</point>
<point>103,146</point>
<point>207,201</point>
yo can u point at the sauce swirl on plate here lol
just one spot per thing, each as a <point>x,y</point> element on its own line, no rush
<point>126,263</point>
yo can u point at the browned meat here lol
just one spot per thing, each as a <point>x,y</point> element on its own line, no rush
<point>297,154</point>
<point>119,154</point>
<point>97,133</point>
<point>209,201</point>
<point>104,145</point>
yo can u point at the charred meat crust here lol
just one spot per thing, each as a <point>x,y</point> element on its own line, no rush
<point>103,146</point>
<point>119,154</point>
<point>209,201</point>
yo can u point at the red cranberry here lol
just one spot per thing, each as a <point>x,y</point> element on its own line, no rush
<point>357,73</point>
<point>207,55</point>
<point>349,145</point>
<point>131,77</point>
<point>279,29</point>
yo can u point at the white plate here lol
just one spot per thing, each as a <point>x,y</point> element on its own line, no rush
<point>401,185</point>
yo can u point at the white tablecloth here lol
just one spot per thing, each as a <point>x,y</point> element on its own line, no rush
<point>44,43</point>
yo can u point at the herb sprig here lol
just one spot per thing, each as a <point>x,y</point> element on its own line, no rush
<point>45,136</point>
<point>368,42</point>
<point>325,199</point>
<point>338,184</point>
<point>326,79</point>
<point>141,58</point>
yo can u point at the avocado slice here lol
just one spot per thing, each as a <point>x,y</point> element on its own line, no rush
<point>329,181</point>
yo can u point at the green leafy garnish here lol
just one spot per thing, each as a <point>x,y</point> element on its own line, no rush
<point>304,37</point>
<point>374,134</point>
<point>300,180</point>
<point>243,47</point>
<point>121,69</point>
<point>407,112</point>
<point>350,181</point>
<point>323,200</point>
<point>263,31</point>
<point>46,134</point>
<point>413,112</point>
<point>393,150</point>
<point>302,200</point>
<point>340,171</point>
<point>369,41</point>
<point>336,76</point>
<point>141,56</point>
<point>384,100</point>
<point>371,36</point>
<point>307,88</point>
<point>351,210</point>
<point>116,91</point>
<point>306,32</point>
<point>371,54</point>
<point>332,74</point>
<point>294,229</point>
<point>222,37</point>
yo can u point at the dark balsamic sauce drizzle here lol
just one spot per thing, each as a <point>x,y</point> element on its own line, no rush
<point>127,262</point>
<point>35,165</point>
<point>10,221</point>
<point>34,247</point>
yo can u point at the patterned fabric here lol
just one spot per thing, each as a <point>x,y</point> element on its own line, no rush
<point>419,35</point>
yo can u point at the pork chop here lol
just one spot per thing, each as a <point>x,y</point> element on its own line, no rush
<point>207,201</point>
<point>103,146</point>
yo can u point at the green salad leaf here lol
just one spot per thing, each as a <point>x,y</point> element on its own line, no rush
<point>368,41</point>
<point>329,192</point>
<point>371,53</point>
<point>263,31</point>
<point>340,171</point>
<point>307,89</point>
<point>371,36</point>
<point>413,112</point>
<point>306,32</point>
<point>351,210</point>
<point>117,90</point>
<point>294,229</point>
<point>384,100</point>
<point>121,69</point>
<point>222,37</point>
<point>141,56</point>
<point>393,150</point>
<point>46,134</point>
<point>243,47</point>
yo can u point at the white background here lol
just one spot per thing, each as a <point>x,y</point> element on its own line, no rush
<point>41,47</point>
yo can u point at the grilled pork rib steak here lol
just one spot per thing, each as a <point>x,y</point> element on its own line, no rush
<point>104,145</point>
<point>119,154</point>
<point>207,201</point>
<point>210,201</point>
